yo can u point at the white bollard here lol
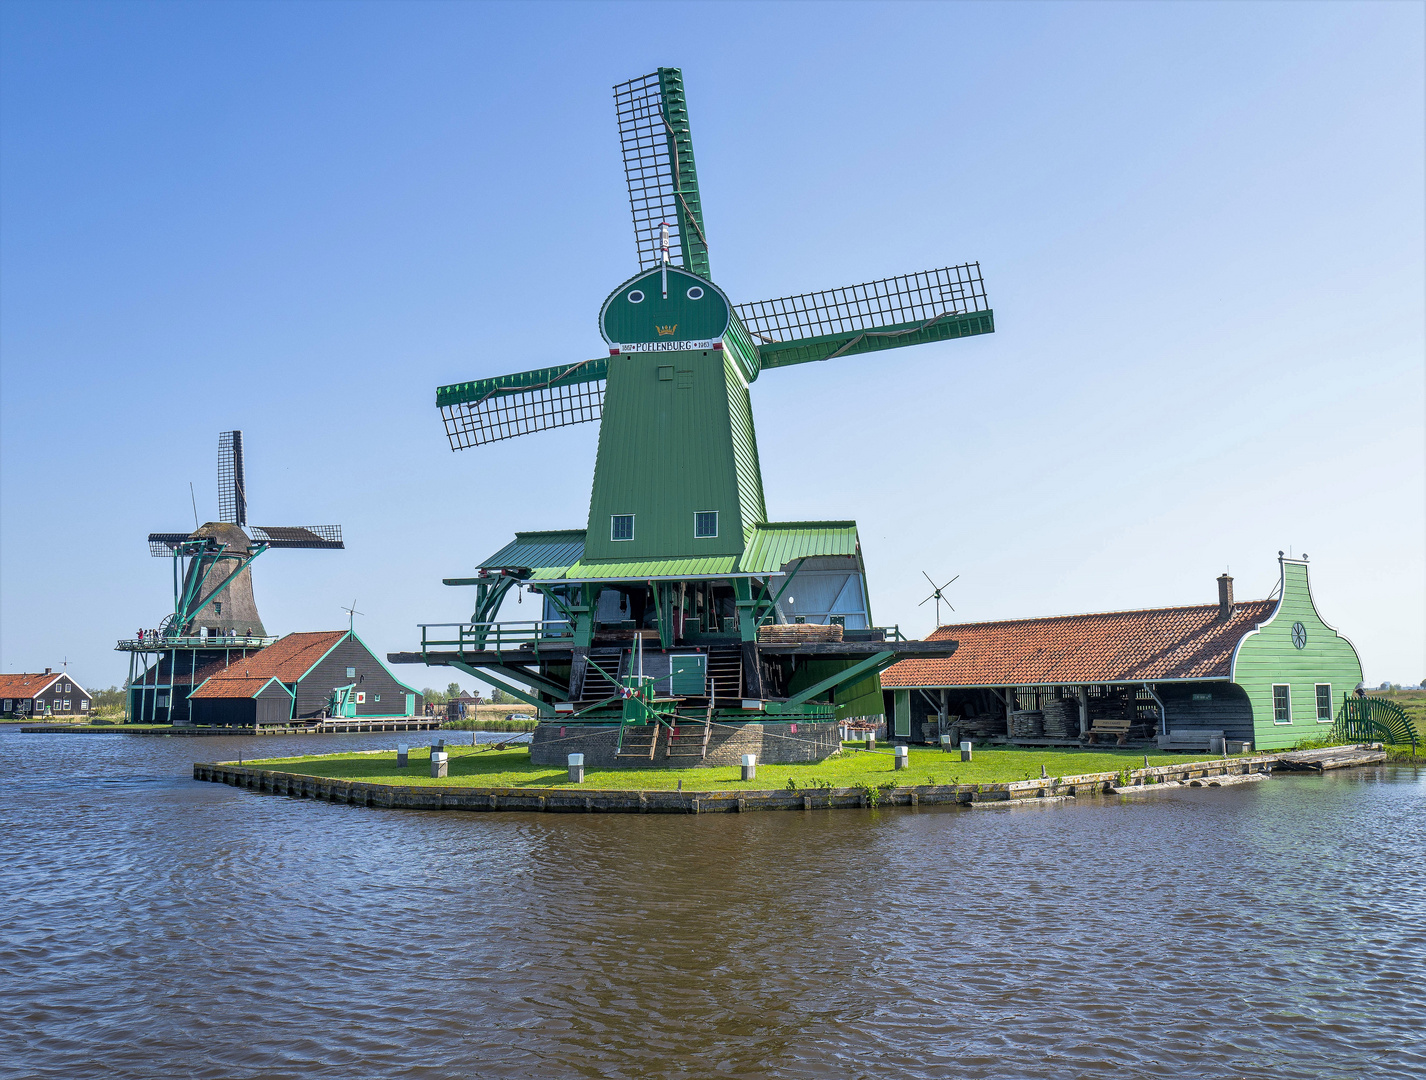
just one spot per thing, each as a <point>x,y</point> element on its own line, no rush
<point>576,768</point>
<point>438,764</point>
<point>750,766</point>
<point>965,751</point>
<point>946,743</point>
<point>402,754</point>
<point>903,757</point>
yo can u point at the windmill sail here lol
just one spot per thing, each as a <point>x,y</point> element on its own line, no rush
<point>933,305</point>
<point>659,169</point>
<point>232,484</point>
<point>488,410</point>
<point>328,537</point>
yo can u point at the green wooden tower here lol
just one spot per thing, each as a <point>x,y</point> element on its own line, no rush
<point>678,548</point>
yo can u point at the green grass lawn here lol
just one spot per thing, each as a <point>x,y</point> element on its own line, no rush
<point>510,768</point>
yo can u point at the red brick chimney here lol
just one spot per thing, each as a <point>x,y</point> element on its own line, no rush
<point>1225,597</point>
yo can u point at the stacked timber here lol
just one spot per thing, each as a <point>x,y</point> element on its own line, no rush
<point>1027,724</point>
<point>1061,718</point>
<point>799,633</point>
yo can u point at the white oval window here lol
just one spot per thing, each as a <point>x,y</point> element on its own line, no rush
<point>636,297</point>
<point>695,293</point>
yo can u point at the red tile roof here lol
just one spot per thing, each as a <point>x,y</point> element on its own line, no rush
<point>25,686</point>
<point>287,659</point>
<point>1115,646</point>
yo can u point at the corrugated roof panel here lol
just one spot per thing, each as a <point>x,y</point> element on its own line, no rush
<point>776,543</point>
<point>533,550</point>
<point>709,566</point>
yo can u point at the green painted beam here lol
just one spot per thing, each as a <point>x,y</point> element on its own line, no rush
<point>534,678</point>
<point>775,354</point>
<point>542,707</point>
<point>521,382</point>
<point>685,172</point>
<point>875,663</point>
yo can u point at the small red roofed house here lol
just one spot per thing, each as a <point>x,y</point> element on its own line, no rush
<point>302,677</point>
<point>25,696</point>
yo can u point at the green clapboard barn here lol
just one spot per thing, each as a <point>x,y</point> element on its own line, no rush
<point>1269,673</point>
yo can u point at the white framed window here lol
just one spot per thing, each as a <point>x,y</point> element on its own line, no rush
<point>84,704</point>
<point>621,527</point>
<point>375,697</point>
<point>351,673</point>
<point>1282,704</point>
<point>66,704</point>
<point>1324,703</point>
<point>705,524</point>
<point>162,701</point>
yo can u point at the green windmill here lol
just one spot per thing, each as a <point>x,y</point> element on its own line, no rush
<point>679,579</point>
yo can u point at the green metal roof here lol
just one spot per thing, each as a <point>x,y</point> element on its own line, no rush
<point>643,569</point>
<point>536,550</point>
<point>774,544</point>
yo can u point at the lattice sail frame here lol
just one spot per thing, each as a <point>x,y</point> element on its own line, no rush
<point>657,149</point>
<point>232,483</point>
<point>504,415</point>
<point>906,301</point>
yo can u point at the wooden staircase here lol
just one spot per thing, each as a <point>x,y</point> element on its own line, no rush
<point>639,743</point>
<point>596,687</point>
<point>725,675</point>
<point>690,741</point>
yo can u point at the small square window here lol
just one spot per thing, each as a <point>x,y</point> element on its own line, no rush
<point>217,607</point>
<point>621,527</point>
<point>361,698</point>
<point>705,523</point>
<point>837,620</point>
<point>1282,705</point>
<point>375,697</point>
<point>351,673</point>
<point>666,374</point>
<point>1324,703</point>
<point>799,618</point>
<point>685,380</point>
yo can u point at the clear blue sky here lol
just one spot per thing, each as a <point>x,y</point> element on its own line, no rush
<point>1201,227</point>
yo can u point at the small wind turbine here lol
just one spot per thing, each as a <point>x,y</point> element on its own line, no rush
<point>352,613</point>
<point>938,594</point>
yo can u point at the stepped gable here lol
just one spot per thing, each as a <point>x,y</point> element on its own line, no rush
<point>286,660</point>
<point>1116,646</point>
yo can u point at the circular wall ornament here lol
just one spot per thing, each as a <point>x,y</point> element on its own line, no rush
<point>636,297</point>
<point>1299,635</point>
<point>695,293</point>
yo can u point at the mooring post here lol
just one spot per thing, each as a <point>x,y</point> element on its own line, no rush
<point>946,743</point>
<point>438,764</point>
<point>576,768</point>
<point>903,757</point>
<point>1043,774</point>
<point>750,766</point>
<point>965,750</point>
<point>402,755</point>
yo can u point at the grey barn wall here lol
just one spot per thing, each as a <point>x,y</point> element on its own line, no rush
<point>230,711</point>
<point>274,705</point>
<point>1229,710</point>
<point>314,692</point>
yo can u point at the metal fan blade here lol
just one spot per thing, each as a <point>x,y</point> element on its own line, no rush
<point>657,148</point>
<point>299,536</point>
<point>933,305</point>
<point>232,483</point>
<point>488,410</point>
<point>161,545</point>
<point>928,578</point>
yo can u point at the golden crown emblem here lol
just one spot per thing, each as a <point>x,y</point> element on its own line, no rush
<point>666,331</point>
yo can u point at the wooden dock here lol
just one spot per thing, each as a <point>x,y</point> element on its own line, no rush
<point>1332,757</point>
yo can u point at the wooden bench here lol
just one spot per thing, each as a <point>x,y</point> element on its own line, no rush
<point>1191,739</point>
<point>1110,725</point>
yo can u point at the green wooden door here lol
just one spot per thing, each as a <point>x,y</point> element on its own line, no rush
<point>688,674</point>
<point>903,714</point>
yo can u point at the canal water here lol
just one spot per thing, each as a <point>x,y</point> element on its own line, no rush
<point>154,926</point>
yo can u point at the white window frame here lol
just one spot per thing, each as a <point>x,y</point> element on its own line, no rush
<point>351,673</point>
<point>66,704</point>
<point>83,704</point>
<point>614,539</point>
<point>705,536</point>
<point>1287,689</point>
<point>1317,702</point>
<point>361,697</point>
<point>9,705</point>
